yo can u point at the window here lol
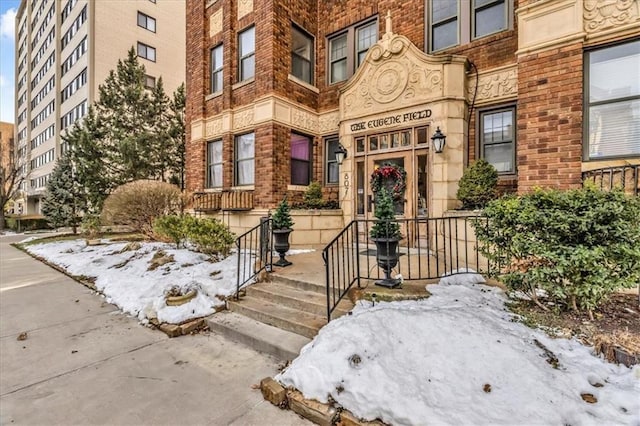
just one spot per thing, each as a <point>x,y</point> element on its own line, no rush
<point>216,69</point>
<point>247,50</point>
<point>300,159</point>
<point>245,164</point>
<point>301,55</point>
<point>146,21</point>
<point>331,165</point>
<point>149,81</point>
<point>214,164</point>
<point>454,22</point>
<point>497,139</point>
<point>146,52</point>
<point>348,49</point>
<point>612,101</point>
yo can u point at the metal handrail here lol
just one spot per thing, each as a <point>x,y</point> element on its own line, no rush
<point>625,177</point>
<point>430,248</point>
<point>254,249</point>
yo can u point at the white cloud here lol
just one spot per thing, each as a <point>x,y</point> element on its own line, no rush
<point>3,80</point>
<point>8,24</point>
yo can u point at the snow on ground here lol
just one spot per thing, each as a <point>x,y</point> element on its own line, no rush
<point>126,281</point>
<point>459,358</point>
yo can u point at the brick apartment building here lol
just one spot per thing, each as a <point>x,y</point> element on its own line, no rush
<point>545,90</point>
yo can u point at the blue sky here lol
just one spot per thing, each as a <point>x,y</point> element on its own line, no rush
<point>8,10</point>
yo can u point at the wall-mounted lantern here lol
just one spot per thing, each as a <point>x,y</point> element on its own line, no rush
<point>341,154</point>
<point>439,140</point>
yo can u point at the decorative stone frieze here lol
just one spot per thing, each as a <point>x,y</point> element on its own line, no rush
<point>243,119</point>
<point>494,85</point>
<point>329,122</point>
<point>215,23</point>
<point>244,8</point>
<point>213,128</point>
<point>605,14</point>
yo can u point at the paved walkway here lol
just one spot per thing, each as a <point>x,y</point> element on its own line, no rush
<point>82,362</point>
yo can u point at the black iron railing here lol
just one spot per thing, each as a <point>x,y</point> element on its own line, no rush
<point>625,177</point>
<point>254,249</point>
<point>430,248</point>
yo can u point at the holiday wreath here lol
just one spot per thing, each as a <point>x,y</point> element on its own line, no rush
<point>390,176</point>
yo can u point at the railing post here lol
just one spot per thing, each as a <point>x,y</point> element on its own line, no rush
<point>238,251</point>
<point>357,252</point>
<point>264,241</point>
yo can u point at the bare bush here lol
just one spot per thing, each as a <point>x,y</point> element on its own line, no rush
<point>137,204</point>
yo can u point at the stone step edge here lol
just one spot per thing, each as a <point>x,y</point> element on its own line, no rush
<point>312,410</point>
<point>257,335</point>
<point>248,311</point>
<point>258,292</point>
<point>305,285</point>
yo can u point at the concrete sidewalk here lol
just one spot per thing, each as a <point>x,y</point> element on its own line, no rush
<point>83,362</point>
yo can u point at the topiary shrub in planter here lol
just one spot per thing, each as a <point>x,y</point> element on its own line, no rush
<point>385,232</point>
<point>282,224</point>
<point>579,246</point>
<point>478,185</point>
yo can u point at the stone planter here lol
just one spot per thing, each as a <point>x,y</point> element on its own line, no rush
<point>281,245</point>
<point>387,258</point>
<point>182,299</point>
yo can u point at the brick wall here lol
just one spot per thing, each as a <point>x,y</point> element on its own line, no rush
<point>549,152</point>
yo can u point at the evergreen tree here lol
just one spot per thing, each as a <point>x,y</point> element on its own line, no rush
<point>282,216</point>
<point>177,134</point>
<point>63,200</point>
<point>386,226</point>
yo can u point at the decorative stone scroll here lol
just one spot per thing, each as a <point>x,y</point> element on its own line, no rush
<point>603,14</point>
<point>494,85</point>
<point>329,122</point>
<point>244,8</point>
<point>215,23</point>
<point>243,119</point>
<point>304,120</point>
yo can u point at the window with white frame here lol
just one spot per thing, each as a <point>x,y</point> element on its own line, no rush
<point>245,159</point>
<point>217,68</point>
<point>612,101</point>
<point>214,164</point>
<point>497,138</point>
<point>331,165</point>
<point>348,49</point>
<point>146,52</point>
<point>246,52</point>
<point>301,55</point>
<point>147,22</point>
<point>300,159</point>
<point>455,22</point>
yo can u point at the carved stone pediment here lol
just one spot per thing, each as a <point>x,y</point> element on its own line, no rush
<point>604,14</point>
<point>395,74</point>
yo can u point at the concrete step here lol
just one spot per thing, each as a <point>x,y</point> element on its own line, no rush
<point>257,335</point>
<point>299,322</point>
<point>299,284</point>
<point>293,297</point>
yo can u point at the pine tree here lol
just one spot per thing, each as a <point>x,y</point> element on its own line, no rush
<point>177,134</point>
<point>63,200</point>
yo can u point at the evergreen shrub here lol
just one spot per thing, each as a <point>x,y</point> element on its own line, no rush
<point>386,226</point>
<point>579,246</point>
<point>282,216</point>
<point>206,235</point>
<point>478,185</point>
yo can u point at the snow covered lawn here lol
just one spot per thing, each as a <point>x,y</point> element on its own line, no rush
<point>125,278</point>
<point>459,358</point>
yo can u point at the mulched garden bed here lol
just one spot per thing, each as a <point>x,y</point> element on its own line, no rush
<point>614,332</point>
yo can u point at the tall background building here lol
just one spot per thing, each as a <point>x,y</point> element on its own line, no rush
<point>64,51</point>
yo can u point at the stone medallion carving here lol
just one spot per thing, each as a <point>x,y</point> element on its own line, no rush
<point>602,14</point>
<point>394,71</point>
<point>388,81</point>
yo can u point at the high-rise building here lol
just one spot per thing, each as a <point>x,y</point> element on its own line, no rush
<point>64,51</point>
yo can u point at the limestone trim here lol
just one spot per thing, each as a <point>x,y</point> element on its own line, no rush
<point>244,8</point>
<point>498,84</point>
<point>268,109</point>
<point>600,15</point>
<point>215,23</point>
<point>396,71</point>
<point>303,83</point>
<point>549,23</point>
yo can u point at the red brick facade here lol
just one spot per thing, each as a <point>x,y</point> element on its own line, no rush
<point>549,98</point>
